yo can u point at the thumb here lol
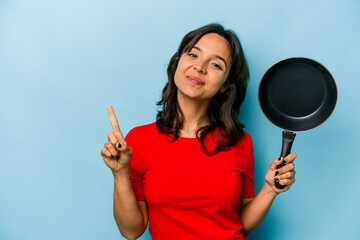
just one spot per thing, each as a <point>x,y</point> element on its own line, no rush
<point>124,148</point>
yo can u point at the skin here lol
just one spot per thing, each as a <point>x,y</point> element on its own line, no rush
<point>130,215</point>
<point>209,63</point>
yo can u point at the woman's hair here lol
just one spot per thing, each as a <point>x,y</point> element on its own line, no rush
<point>224,107</point>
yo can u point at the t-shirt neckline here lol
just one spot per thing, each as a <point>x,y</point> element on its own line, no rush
<point>187,137</point>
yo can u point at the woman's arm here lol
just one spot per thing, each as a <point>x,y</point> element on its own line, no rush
<point>130,216</point>
<point>253,211</point>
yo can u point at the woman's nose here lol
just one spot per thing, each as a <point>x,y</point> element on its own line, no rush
<point>200,67</point>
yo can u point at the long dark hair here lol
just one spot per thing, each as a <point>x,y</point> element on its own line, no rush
<point>224,107</point>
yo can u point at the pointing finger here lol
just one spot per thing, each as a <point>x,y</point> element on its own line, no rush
<point>114,123</point>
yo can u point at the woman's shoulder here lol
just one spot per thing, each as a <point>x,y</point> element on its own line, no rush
<point>247,136</point>
<point>145,127</point>
<point>143,130</point>
<point>244,142</point>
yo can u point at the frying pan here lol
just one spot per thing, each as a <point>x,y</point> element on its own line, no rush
<point>296,94</point>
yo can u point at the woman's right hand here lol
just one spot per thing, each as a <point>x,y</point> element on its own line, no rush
<point>116,153</point>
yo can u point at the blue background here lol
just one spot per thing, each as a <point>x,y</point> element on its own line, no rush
<point>62,62</point>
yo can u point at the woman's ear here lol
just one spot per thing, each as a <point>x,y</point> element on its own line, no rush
<point>223,88</point>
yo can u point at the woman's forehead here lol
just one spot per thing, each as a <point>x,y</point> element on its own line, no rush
<point>214,44</point>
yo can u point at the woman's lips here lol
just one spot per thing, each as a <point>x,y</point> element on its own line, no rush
<point>195,80</point>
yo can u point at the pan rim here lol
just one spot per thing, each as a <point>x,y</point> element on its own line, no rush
<point>311,60</point>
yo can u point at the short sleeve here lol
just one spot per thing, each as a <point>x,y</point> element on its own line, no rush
<point>133,140</point>
<point>248,190</point>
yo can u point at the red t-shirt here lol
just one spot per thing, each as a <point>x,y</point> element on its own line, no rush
<point>190,195</point>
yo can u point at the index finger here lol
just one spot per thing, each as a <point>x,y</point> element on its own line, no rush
<point>113,120</point>
<point>291,157</point>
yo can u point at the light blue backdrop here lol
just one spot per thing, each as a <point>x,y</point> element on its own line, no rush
<point>63,61</point>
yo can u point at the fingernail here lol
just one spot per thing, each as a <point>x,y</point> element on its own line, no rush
<point>119,145</point>
<point>276,173</point>
<point>276,179</point>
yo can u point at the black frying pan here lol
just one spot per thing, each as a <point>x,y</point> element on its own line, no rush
<point>296,94</point>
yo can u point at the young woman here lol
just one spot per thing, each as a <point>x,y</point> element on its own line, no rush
<point>190,173</point>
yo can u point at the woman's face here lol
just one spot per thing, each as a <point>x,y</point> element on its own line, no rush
<point>202,71</point>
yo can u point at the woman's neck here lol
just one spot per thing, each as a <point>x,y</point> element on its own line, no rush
<point>195,115</point>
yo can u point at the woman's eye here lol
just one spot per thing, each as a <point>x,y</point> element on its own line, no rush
<point>192,55</point>
<point>217,66</point>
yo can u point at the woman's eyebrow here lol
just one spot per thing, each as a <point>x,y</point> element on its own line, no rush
<point>217,56</point>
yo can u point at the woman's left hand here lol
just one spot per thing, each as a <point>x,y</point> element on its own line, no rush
<point>284,175</point>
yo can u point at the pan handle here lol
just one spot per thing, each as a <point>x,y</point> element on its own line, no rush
<point>287,141</point>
